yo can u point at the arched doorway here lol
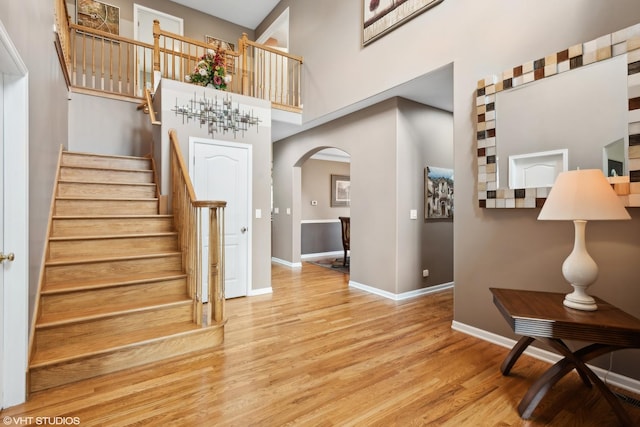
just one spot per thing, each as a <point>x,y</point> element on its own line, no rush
<point>325,196</point>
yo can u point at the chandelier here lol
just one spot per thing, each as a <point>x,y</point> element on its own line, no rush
<point>218,116</point>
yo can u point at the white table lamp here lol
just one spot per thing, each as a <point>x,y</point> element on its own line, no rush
<point>581,196</point>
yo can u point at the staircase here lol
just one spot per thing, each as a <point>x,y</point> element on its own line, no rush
<point>114,291</point>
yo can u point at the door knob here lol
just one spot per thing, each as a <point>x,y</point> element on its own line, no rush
<point>10,257</point>
<point>243,229</point>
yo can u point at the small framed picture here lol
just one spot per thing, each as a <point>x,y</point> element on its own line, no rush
<point>217,43</point>
<point>99,16</point>
<point>438,193</point>
<point>340,191</point>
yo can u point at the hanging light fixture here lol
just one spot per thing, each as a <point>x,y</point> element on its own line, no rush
<point>217,115</point>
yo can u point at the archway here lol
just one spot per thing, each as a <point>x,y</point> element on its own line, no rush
<point>325,178</point>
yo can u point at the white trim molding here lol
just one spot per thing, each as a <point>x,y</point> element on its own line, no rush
<point>404,295</point>
<point>261,291</point>
<point>321,255</point>
<point>286,263</point>
<point>608,377</point>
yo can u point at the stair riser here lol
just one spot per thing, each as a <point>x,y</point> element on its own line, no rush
<point>74,159</point>
<point>129,294</point>
<point>130,323</point>
<point>83,189</point>
<point>109,226</point>
<point>117,269</point>
<point>113,247</point>
<point>105,175</point>
<point>93,366</point>
<point>105,207</point>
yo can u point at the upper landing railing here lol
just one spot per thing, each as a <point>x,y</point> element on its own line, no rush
<point>98,62</point>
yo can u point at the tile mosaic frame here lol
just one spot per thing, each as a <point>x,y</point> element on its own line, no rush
<point>626,41</point>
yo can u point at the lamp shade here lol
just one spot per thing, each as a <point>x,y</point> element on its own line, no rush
<point>582,195</point>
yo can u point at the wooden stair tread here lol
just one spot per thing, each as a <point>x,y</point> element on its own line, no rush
<point>141,184</point>
<point>83,260</point>
<point>115,199</point>
<point>112,216</point>
<point>102,168</point>
<point>102,282</point>
<point>108,310</point>
<point>114,236</point>
<point>95,347</point>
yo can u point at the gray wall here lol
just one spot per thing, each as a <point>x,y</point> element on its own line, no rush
<point>316,183</point>
<point>504,248</point>
<point>320,229</point>
<point>108,126</point>
<point>29,25</point>
<point>372,194</point>
<point>171,92</point>
<point>425,138</point>
<point>388,249</point>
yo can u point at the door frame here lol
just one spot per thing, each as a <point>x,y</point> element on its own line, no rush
<point>137,8</point>
<point>15,342</point>
<point>193,140</point>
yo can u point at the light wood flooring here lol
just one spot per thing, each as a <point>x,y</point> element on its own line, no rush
<point>317,353</point>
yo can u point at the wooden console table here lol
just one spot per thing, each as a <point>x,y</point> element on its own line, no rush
<point>542,316</point>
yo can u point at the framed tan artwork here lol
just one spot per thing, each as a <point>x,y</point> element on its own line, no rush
<point>381,16</point>
<point>217,43</point>
<point>99,16</point>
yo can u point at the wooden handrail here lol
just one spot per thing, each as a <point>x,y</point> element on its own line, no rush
<point>266,48</point>
<point>188,216</point>
<point>110,65</point>
<point>147,106</point>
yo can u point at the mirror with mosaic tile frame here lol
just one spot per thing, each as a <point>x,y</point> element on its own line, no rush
<point>625,44</point>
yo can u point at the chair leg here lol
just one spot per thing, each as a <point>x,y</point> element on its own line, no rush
<point>344,260</point>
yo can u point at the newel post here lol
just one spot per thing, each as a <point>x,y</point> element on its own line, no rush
<point>242,46</point>
<point>216,263</point>
<point>156,45</point>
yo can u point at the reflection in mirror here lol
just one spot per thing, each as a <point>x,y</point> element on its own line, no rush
<point>537,169</point>
<point>614,162</point>
<point>581,111</point>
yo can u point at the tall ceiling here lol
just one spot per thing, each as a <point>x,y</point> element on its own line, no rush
<point>248,13</point>
<point>434,88</point>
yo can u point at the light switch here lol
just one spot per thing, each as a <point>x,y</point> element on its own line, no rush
<point>288,211</point>
<point>413,214</point>
<point>276,211</point>
<point>258,213</point>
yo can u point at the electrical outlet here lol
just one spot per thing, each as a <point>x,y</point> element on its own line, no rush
<point>425,273</point>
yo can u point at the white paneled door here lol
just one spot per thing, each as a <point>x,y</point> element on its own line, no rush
<point>222,171</point>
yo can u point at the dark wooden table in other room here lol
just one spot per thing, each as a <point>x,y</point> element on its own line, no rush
<point>542,316</point>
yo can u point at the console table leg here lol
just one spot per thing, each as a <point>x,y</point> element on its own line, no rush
<point>515,354</point>
<point>571,360</point>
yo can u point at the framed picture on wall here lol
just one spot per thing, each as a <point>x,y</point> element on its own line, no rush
<point>381,16</point>
<point>340,191</point>
<point>99,16</point>
<point>438,193</point>
<point>217,43</point>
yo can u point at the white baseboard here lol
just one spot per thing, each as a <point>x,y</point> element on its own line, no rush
<point>612,378</point>
<point>404,295</point>
<point>322,255</point>
<point>286,263</point>
<point>261,291</point>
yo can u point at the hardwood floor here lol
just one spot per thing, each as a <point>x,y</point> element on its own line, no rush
<point>317,353</point>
